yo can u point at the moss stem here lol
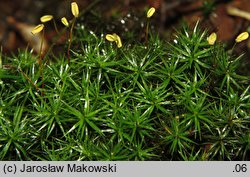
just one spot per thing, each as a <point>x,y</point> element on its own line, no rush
<point>70,39</point>
<point>41,61</point>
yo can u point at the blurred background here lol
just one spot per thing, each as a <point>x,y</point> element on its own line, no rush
<point>227,18</point>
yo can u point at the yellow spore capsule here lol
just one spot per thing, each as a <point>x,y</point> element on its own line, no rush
<point>65,21</point>
<point>118,40</point>
<point>114,38</point>
<point>74,9</point>
<point>37,29</point>
<point>241,37</point>
<point>212,38</point>
<point>150,12</point>
<point>110,37</point>
<point>46,18</point>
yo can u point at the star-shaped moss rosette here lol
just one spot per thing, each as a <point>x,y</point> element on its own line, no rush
<point>181,99</point>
